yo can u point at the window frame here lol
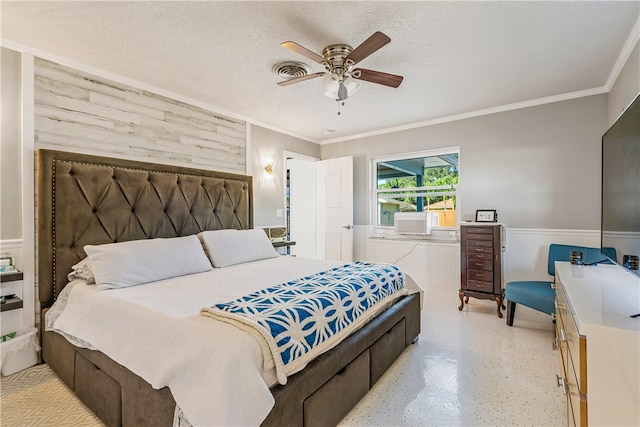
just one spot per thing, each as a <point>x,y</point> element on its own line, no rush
<point>383,230</point>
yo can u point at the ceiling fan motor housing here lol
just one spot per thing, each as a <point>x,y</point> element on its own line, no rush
<point>334,56</point>
<point>338,61</point>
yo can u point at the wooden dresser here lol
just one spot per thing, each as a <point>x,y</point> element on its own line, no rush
<point>481,263</point>
<point>598,344</point>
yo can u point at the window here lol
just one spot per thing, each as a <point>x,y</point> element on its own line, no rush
<point>416,182</point>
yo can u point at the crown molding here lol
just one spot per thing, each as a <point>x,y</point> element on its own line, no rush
<point>471,114</point>
<point>624,55</point>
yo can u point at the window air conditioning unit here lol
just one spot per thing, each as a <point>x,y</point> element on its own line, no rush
<point>414,222</point>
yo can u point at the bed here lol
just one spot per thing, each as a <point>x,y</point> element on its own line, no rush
<point>89,200</point>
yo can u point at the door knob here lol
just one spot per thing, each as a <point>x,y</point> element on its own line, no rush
<point>348,227</point>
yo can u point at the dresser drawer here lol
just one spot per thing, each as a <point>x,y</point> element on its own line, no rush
<point>480,256</point>
<point>480,265</point>
<point>482,275</point>
<point>481,230</point>
<point>576,344</point>
<point>480,250</point>
<point>563,369</point>
<point>482,243</point>
<point>577,399</point>
<point>473,236</point>
<point>479,286</point>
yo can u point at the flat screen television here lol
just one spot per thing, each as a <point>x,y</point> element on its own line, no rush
<point>621,187</point>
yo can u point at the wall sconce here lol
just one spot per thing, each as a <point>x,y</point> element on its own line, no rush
<point>267,175</point>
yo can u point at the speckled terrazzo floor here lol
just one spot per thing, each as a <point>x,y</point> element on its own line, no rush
<point>469,369</point>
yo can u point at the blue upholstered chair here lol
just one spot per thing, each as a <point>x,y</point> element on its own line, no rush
<point>539,295</point>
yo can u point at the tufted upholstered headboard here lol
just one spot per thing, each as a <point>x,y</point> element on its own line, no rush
<point>83,199</point>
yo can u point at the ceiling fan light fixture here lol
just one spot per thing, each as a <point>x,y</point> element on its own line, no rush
<point>331,85</point>
<point>335,89</point>
<point>341,80</point>
<point>351,84</point>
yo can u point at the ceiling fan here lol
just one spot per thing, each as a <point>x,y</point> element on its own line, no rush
<point>341,78</point>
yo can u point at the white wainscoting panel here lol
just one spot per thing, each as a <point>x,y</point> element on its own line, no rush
<point>527,250</point>
<point>77,111</point>
<point>432,265</point>
<point>436,265</point>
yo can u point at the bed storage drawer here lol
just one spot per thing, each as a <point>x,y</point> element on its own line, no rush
<point>98,391</point>
<point>386,350</point>
<point>60,356</point>
<point>331,402</point>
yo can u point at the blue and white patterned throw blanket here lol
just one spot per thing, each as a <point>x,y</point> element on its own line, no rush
<point>297,320</point>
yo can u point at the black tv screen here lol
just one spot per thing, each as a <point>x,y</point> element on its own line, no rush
<point>621,187</point>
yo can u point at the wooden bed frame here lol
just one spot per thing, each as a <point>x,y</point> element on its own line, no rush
<point>84,199</point>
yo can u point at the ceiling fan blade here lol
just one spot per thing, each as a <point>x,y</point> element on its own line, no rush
<point>367,47</point>
<point>302,51</point>
<point>301,79</point>
<point>378,77</point>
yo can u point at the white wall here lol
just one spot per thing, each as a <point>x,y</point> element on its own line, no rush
<point>538,166</point>
<point>268,146</point>
<point>10,156</point>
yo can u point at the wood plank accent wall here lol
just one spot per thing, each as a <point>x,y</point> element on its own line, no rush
<point>80,112</point>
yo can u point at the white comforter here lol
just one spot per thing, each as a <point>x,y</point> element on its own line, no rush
<point>213,369</point>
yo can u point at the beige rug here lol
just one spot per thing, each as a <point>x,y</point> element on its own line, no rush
<point>36,397</point>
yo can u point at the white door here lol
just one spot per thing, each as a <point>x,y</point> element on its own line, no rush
<point>334,209</point>
<point>302,207</point>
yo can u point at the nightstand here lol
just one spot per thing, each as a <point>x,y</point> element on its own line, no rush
<point>283,247</point>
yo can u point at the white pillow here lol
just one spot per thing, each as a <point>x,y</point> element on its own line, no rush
<point>82,271</point>
<point>230,247</point>
<point>118,265</point>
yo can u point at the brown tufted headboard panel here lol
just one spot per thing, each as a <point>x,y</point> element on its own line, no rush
<point>85,199</point>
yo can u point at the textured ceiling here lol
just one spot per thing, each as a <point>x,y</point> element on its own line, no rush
<point>456,57</point>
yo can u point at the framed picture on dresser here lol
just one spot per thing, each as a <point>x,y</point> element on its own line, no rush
<point>486,215</point>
